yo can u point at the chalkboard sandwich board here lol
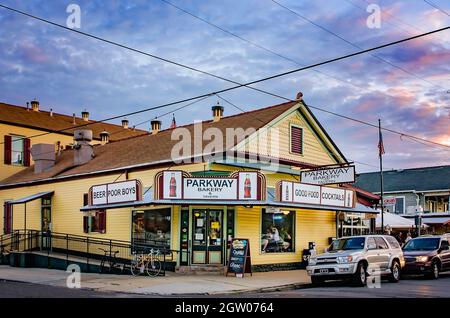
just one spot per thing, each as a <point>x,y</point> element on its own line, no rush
<point>239,261</point>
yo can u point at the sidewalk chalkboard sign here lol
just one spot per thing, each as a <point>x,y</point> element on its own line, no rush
<point>239,261</point>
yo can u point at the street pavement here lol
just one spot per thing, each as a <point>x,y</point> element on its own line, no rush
<point>408,287</point>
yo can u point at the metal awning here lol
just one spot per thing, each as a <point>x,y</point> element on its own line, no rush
<point>270,201</point>
<point>32,197</point>
<point>436,221</point>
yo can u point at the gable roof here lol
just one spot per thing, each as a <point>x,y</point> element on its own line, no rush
<point>41,120</point>
<point>149,149</point>
<point>418,179</point>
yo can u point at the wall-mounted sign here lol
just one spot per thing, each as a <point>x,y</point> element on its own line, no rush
<point>118,192</point>
<point>389,201</point>
<point>240,185</point>
<point>295,192</point>
<point>329,175</point>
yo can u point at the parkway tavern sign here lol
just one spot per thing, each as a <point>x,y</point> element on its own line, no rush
<point>295,192</point>
<point>329,175</point>
<point>180,185</point>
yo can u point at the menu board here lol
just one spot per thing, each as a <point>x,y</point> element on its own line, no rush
<point>239,261</point>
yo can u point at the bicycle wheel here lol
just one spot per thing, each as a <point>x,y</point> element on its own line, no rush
<point>137,267</point>
<point>153,267</point>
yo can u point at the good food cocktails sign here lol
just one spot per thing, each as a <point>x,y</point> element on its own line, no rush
<point>179,185</point>
<point>295,192</point>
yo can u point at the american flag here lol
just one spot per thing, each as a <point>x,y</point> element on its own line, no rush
<point>380,144</point>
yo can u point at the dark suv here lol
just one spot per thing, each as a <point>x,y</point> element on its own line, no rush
<point>428,255</point>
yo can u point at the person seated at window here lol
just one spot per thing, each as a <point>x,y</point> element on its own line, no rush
<point>286,238</point>
<point>266,238</point>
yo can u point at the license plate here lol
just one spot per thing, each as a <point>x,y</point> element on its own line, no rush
<point>323,270</point>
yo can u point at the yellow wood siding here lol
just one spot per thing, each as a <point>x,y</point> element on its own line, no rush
<point>311,226</point>
<point>9,170</point>
<point>276,142</point>
<point>53,138</point>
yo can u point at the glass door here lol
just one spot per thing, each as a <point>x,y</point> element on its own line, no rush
<point>46,222</point>
<point>207,236</point>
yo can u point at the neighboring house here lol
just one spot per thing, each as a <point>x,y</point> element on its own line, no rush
<point>288,135</point>
<point>409,192</point>
<point>17,123</point>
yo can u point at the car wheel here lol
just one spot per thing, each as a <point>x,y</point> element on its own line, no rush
<point>317,280</point>
<point>434,271</point>
<point>394,276</point>
<point>360,277</point>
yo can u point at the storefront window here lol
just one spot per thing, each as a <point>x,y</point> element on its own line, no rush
<point>277,232</point>
<point>353,224</point>
<point>152,227</point>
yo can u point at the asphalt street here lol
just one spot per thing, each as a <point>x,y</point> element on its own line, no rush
<point>409,287</point>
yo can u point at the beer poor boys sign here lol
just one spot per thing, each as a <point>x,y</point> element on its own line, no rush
<point>117,192</point>
<point>295,192</point>
<point>179,185</point>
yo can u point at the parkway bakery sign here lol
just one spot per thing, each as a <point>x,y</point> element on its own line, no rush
<point>117,192</point>
<point>329,175</point>
<point>180,185</point>
<point>295,192</point>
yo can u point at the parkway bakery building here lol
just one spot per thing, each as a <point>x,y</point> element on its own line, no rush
<point>174,188</point>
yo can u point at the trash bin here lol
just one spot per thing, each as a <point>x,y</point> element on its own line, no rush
<point>305,258</point>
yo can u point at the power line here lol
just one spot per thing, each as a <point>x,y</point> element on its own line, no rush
<point>355,45</point>
<point>239,85</point>
<point>437,7</point>
<point>364,88</point>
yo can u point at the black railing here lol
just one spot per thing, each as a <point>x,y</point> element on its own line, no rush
<point>107,255</point>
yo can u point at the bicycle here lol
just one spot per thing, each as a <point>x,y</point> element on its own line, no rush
<point>110,258</point>
<point>148,263</point>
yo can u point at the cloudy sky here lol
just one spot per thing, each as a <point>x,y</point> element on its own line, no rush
<point>407,86</point>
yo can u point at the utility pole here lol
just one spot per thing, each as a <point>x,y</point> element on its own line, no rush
<point>380,154</point>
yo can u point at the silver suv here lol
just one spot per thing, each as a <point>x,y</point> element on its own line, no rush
<point>356,257</point>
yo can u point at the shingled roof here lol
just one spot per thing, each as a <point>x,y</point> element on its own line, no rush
<point>147,149</point>
<point>418,179</point>
<point>20,116</point>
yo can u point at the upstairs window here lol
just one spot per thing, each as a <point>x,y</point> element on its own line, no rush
<point>297,140</point>
<point>17,150</point>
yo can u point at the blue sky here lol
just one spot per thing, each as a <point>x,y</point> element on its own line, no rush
<point>69,72</point>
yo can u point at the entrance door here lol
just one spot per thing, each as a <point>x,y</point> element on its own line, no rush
<point>207,236</point>
<point>46,221</point>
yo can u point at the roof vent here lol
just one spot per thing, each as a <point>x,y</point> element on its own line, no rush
<point>125,123</point>
<point>104,136</point>
<point>85,115</point>
<point>83,149</point>
<point>156,126</point>
<point>35,105</point>
<point>43,157</point>
<point>217,112</point>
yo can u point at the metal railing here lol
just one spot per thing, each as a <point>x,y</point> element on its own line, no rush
<point>112,256</point>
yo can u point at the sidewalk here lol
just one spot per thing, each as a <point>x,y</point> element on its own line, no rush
<point>171,284</point>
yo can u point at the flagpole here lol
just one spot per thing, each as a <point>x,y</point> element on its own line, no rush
<point>381,174</point>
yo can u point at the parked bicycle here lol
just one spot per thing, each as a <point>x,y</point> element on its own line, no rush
<point>109,257</point>
<point>146,263</point>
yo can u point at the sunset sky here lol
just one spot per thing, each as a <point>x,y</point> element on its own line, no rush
<point>69,72</point>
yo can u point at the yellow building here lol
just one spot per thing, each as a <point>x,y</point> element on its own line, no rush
<point>191,188</point>
<point>18,124</point>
